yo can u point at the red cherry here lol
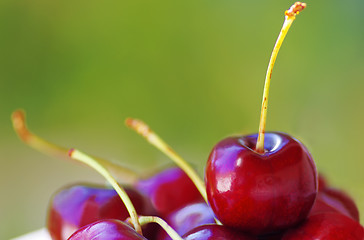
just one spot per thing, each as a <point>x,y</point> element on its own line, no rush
<point>79,205</point>
<point>262,183</point>
<point>261,193</point>
<point>169,190</point>
<point>330,199</point>
<point>188,218</point>
<point>321,206</point>
<point>215,232</point>
<point>327,226</point>
<point>106,230</point>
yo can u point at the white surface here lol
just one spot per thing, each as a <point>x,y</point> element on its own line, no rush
<point>41,234</point>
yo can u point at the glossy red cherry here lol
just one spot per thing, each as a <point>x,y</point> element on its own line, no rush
<point>261,193</point>
<point>79,205</point>
<point>188,218</point>
<point>106,230</point>
<point>330,199</point>
<point>327,226</point>
<point>169,190</point>
<point>216,232</point>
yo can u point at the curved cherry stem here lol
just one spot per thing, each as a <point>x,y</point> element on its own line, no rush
<point>290,16</point>
<point>144,130</point>
<point>153,219</point>
<point>93,163</point>
<point>123,174</point>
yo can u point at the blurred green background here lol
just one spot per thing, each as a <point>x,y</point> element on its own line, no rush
<point>193,70</point>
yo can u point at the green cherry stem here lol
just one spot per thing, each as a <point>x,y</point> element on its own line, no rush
<point>153,219</point>
<point>143,129</point>
<point>290,16</point>
<point>93,163</point>
<point>124,175</point>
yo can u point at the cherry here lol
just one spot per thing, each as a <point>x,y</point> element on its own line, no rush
<point>135,220</point>
<point>215,232</point>
<point>169,190</point>
<point>264,182</point>
<point>109,229</point>
<point>326,226</point>
<point>321,206</point>
<point>187,218</point>
<point>261,193</point>
<point>331,199</point>
<point>79,205</point>
<point>342,201</point>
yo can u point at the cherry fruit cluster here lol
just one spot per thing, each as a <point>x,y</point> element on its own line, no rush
<point>262,186</point>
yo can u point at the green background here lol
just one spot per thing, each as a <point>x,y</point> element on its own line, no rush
<point>193,70</point>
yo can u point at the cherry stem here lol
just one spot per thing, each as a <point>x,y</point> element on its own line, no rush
<point>124,175</point>
<point>290,16</point>
<point>152,219</point>
<point>93,163</point>
<point>144,130</point>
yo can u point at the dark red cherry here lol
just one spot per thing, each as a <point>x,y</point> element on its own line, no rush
<point>106,230</point>
<point>79,205</point>
<point>261,193</point>
<point>330,199</point>
<point>215,232</point>
<point>188,218</point>
<point>321,206</point>
<point>326,226</point>
<point>169,190</point>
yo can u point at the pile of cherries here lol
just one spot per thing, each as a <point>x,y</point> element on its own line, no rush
<point>91,211</point>
<point>263,186</point>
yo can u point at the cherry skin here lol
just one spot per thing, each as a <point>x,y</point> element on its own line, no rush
<point>327,226</point>
<point>334,200</point>
<point>321,206</point>
<point>342,201</point>
<point>79,205</point>
<point>109,229</point>
<point>261,193</point>
<point>169,190</point>
<point>215,232</point>
<point>188,218</point>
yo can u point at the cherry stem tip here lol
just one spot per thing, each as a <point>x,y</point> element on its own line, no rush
<point>295,9</point>
<point>139,126</point>
<point>18,119</point>
<point>70,152</point>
